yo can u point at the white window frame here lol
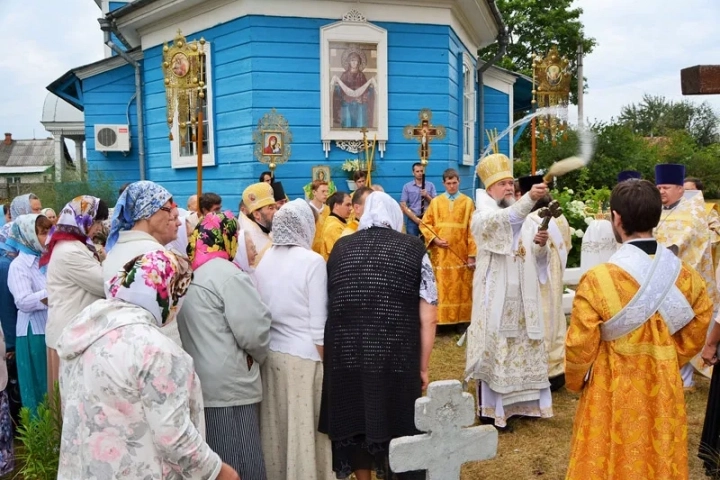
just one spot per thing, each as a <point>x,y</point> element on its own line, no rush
<point>469,111</point>
<point>348,31</point>
<point>187,161</point>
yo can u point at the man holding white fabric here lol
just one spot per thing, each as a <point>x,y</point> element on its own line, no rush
<point>634,320</point>
<point>551,291</point>
<point>506,349</point>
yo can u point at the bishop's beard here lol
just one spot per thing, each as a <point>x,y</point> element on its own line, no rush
<point>505,202</point>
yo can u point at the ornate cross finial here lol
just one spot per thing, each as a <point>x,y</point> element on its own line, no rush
<point>354,16</point>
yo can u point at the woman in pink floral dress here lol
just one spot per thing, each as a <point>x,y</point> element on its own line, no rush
<point>132,401</point>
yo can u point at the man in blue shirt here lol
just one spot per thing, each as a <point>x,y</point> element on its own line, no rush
<point>412,199</point>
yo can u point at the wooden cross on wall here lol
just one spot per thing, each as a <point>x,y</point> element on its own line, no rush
<point>424,132</point>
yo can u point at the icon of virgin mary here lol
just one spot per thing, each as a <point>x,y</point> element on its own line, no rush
<point>353,93</point>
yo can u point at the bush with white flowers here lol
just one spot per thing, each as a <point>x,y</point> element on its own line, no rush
<point>580,211</point>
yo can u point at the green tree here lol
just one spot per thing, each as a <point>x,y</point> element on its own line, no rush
<point>656,116</point>
<point>535,26</point>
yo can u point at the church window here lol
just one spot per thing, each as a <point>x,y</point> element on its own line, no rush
<point>468,110</point>
<point>183,148</point>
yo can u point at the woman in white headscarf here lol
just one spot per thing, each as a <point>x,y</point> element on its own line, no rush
<point>292,281</point>
<point>246,254</point>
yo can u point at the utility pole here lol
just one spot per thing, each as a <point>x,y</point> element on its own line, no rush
<point>581,85</point>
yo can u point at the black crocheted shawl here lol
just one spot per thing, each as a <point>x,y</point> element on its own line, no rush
<point>372,336</point>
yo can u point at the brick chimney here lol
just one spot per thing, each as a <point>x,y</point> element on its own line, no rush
<point>8,138</point>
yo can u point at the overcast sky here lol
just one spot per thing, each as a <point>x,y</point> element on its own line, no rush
<point>643,44</point>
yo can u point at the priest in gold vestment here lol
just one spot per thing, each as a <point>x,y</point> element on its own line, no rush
<point>505,340</point>
<point>259,202</point>
<point>713,214</point>
<point>684,225</point>
<point>635,320</point>
<point>446,230</point>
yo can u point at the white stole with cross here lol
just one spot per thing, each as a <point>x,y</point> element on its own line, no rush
<point>513,272</point>
<point>657,292</point>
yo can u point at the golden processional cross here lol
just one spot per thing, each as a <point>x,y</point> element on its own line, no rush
<point>184,70</point>
<point>424,132</point>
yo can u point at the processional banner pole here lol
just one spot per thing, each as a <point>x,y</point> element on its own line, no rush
<point>200,128</point>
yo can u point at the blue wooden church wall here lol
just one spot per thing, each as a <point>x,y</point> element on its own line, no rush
<point>263,62</point>
<point>497,116</point>
<point>106,98</point>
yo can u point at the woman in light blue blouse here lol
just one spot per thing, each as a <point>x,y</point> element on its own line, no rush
<point>26,281</point>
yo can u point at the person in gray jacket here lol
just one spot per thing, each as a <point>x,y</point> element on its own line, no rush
<point>225,327</point>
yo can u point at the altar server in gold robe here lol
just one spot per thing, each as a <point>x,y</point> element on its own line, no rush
<point>446,230</point>
<point>551,291</point>
<point>358,206</point>
<point>684,226</point>
<point>340,206</point>
<point>318,195</point>
<point>635,319</point>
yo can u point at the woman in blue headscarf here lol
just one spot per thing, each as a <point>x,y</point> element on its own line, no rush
<point>26,281</point>
<point>24,205</point>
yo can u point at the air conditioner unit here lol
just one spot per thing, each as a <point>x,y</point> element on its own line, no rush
<point>112,138</point>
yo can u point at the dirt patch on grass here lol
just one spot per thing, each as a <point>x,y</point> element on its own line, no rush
<point>540,448</point>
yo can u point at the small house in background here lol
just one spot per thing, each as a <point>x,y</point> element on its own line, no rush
<point>328,67</point>
<point>28,162</point>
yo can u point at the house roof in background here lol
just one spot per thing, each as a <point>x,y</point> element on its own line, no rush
<point>16,170</point>
<point>30,154</point>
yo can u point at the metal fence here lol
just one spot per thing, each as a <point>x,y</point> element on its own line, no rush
<point>56,195</point>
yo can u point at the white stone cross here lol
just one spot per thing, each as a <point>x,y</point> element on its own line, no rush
<point>446,445</point>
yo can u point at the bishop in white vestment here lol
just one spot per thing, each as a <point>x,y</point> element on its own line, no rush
<point>506,349</point>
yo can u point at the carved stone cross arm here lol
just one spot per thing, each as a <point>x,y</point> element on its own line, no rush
<point>446,445</point>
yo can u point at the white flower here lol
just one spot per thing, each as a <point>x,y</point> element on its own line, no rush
<point>579,233</point>
<point>570,191</point>
<point>589,220</point>
<point>572,231</point>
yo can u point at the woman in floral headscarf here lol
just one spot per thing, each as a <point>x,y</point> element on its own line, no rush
<point>132,401</point>
<point>225,327</point>
<point>74,273</point>
<point>292,280</point>
<point>26,281</point>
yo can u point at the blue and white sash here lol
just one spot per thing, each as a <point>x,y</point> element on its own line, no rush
<point>657,293</point>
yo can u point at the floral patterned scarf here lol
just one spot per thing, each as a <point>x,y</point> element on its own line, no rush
<point>75,221</point>
<point>216,236</point>
<point>23,237</point>
<point>139,201</point>
<point>156,281</point>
